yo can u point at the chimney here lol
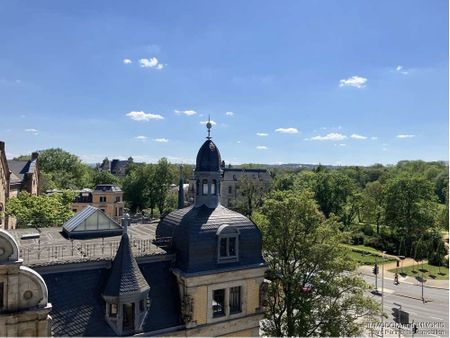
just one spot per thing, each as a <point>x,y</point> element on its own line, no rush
<point>181,190</point>
<point>34,155</point>
<point>2,146</point>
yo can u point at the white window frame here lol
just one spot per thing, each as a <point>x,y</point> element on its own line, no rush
<point>226,232</point>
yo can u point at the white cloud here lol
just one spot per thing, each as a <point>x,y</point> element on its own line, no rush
<point>229,113</point>
<point>261,148</point>
<point>287,130</point>
<point>127,61</point>
<point>186,112</point>
<point>354,81</point>
<point>150,63</point>
<point>329,137</point>
<point>32,131</point>
<point>141,116</point>
<point>405,136</point>
<point>400,69</point>
<point>161,140</point>
<point>141,137</point>
<point>262,134</point>
<point>205,122</point>
<point>358,137</point>
<point>374,138</point>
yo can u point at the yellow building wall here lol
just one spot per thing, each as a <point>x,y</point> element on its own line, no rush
<point>244,333</point>
<point>200,305</point>
<point>252,295</point>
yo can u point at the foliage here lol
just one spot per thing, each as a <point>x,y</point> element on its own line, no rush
<point>41,210</point>
<point>104,177</point>
<point>300,250</point>
<point>251,194</point>
<point>372,201</point>
<point>62,170</point>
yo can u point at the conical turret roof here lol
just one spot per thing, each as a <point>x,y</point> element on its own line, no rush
<point>126,279</point>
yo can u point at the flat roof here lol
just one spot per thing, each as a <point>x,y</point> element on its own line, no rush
<point>51,247</point>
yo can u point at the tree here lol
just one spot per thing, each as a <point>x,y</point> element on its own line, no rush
<point>312,289</point>
<point>62,170</point>
<point>41,210</point>
<point>104,177</point>
<point>251,192</point>
<point>163,177</point>
<point>409,205</point>
<point>373,203</point>
<point>135,186</point>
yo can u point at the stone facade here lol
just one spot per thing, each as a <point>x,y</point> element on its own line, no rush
<point>106,197</point>
<point>4,184</point>
<point>24,307</point>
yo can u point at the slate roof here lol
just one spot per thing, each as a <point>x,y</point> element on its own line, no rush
<point>107,187</point>
<point>78,308</point>
<point>208,157</point>
<point>19,168</point>
<point>193,232</point>
<point>125,278</point>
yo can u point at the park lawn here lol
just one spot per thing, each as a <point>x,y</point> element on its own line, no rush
<point>363,248</point>
<point>369,258</point>
<point>429,271</point>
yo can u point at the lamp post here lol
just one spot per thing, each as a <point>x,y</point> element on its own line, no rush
<point>382,294</point>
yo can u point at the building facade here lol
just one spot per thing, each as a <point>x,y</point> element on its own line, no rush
<point>24,306</point>
<point>106,197</point>
<point>4,185</point>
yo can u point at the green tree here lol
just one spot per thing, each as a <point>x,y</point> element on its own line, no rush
<point>164,175</point>
<point>312,290</point>
<point>104,177</point>
<point>41,210</point>
<point>62,170</point>
<point>373,203</point>
<point>251,192</point>
<point>409,205</point>
<point>135,185</point>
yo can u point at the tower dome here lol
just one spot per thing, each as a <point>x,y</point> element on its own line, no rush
<point>208,157</point>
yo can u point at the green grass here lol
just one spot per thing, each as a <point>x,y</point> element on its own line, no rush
<point>363,248</point>
<point>367,258</point>
<point>429,271</point>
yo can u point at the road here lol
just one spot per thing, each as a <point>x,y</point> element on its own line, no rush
<point>431,317</point>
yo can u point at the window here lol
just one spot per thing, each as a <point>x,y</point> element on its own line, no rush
<point>218,303</point>
<point>230,189</point>
<point>213,187</point>
<point>205,187</point>
<point>120,211</point>
<point>113,310</point>
<point>102,199</point>
<point>74,210</point>
<point>227,250</point>
<point>142,305</point>
<point>117,198</point>
<point>235,299</point>
<point>198,187</point>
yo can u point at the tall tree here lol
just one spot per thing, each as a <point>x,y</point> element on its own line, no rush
<point>251,192</point>
<point>312,290</point>
<point>163,177</point>
<point>104,177</point>
<point>409,205</point>
<point>373,201</point>
<point>62,170</point>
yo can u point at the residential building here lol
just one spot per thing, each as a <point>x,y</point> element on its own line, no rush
<point>107,197</point>
<point>198,272</point>
<point>4,184</point>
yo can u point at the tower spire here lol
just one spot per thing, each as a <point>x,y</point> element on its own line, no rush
<point>209,125</point>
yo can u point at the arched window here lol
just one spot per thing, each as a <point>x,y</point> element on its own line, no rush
<point>205,187</point>
<point>213,187</point>
<point>227,244</point>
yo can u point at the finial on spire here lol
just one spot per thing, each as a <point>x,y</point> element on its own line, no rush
<point>209,125</point>
<point>125,223</point>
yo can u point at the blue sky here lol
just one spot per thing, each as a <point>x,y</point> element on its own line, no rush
<point>335,82</point>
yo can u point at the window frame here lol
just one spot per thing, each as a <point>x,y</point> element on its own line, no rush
<point>205,185</point>
<point>227,233</point>
<point>228,314</point>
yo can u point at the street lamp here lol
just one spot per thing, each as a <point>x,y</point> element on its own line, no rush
<point>382,294</point>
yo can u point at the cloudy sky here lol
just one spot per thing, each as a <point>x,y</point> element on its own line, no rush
<point>335,82</point>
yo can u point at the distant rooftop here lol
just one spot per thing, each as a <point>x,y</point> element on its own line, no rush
<point>107,187</point>
<point>50,247</point>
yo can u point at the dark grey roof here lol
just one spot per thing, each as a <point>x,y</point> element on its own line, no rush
<point>194,239</point>
<point>251,170</point>
<point>208,157</point>
<point>125,278</point>
<point>78,308</point>
<point>19,168</point>
<point>119,166</point>
<point>107,187</point>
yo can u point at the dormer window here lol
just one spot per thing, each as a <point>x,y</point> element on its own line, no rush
<point>213,187</point>
<point>227,244</point>
<point>205,187</point>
